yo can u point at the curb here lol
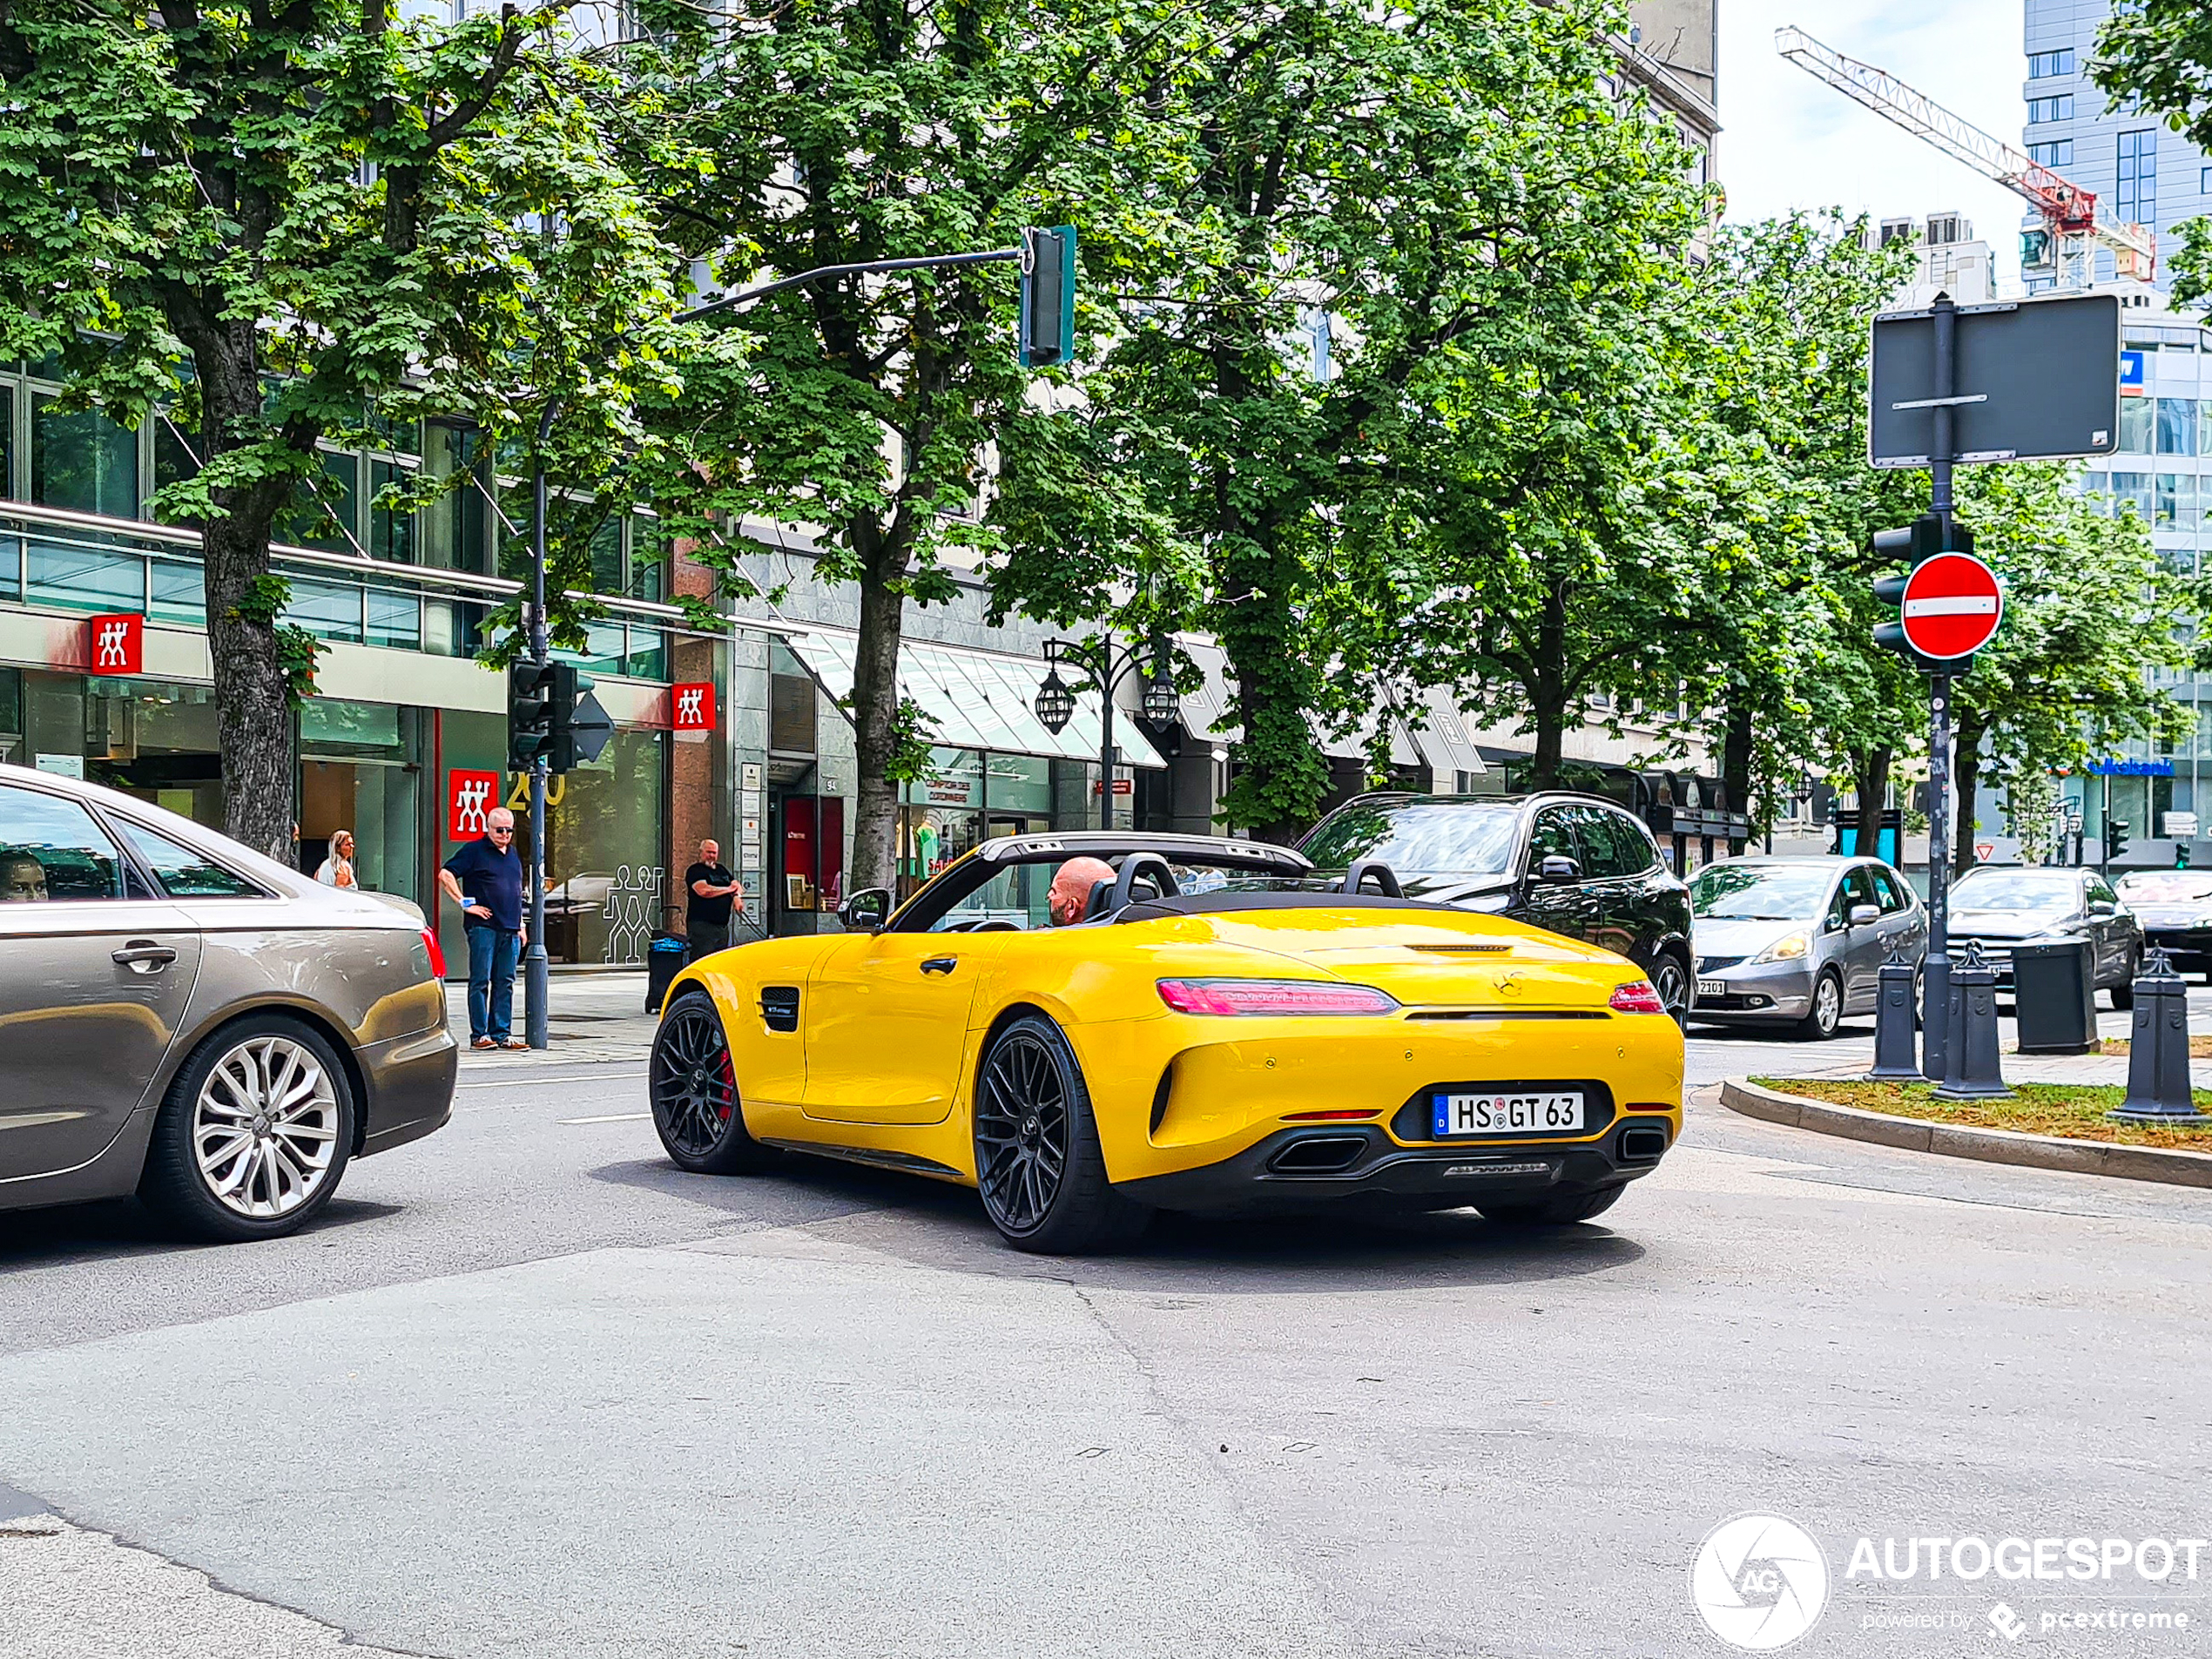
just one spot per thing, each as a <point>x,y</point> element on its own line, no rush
<point>1952,1140</point>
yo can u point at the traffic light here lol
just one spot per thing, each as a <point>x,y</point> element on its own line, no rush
<point>1047,296</point>
<point>531,701</point>
<point>1916,544</point>
<point>2181,855</point>
<point>560,745</point>
<point>2115,838</point>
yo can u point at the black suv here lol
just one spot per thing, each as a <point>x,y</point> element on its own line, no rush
<point>1577,864</point>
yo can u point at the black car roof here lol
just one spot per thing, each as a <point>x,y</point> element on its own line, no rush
<point>1534,798</point>
<point>1107,844</point>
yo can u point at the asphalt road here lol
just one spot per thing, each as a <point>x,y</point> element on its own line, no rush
<point>527,1391</point>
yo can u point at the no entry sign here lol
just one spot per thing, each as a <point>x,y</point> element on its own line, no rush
<point>1952,606</point>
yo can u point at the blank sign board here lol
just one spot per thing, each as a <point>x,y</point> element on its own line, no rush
<point>2042,375</point>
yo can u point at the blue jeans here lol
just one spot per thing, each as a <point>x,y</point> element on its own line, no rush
<point>491,982</point>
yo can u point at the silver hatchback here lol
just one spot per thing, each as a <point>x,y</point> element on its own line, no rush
<point>185,1019</point>
<point>1801,941</point>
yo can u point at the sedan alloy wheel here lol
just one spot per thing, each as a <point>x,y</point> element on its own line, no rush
<point>265,1127</point>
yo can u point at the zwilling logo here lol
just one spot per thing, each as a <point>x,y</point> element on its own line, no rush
<point>687,706</point>
<point>117,644</point>
<point>694,706</point>
<point>469,802</point>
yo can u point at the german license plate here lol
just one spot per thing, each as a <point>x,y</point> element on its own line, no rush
<point>1549,1114</point>
<point>1712,988</point>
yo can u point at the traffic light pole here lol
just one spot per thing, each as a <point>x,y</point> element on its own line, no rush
<point>1935,974</point>
<point>536,966</point>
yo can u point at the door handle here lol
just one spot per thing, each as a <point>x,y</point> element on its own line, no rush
<point>143,956</point>
<point>941,964</point>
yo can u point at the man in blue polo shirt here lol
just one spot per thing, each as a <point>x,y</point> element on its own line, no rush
<point>485,878</point>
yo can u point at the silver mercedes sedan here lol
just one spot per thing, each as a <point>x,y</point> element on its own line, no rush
<point>183,1018</point>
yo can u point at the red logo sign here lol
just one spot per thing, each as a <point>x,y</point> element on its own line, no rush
<point>116,645</point>
<point>1953,605</point>
<point>469,797</point>
<point>694,706</point>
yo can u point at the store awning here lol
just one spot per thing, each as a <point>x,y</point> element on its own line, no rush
<point>978,700</point>
<point>1440,743</point>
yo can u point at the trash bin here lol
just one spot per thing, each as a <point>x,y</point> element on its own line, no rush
<point>2053,998</point>
<point>664,960</point>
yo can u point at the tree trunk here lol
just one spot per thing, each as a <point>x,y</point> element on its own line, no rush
<point>1966,777</point>
<point>1736,766</point>
<point>1285,779</point>
<point>1548,692</point>
<point>875,707</point>
<point>253,699</point>
<point>1871,770</point>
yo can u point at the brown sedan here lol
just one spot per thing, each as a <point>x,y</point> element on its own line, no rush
<point>185,1019</point>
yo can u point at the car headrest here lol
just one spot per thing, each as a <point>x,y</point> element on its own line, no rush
<point>1102,895</point>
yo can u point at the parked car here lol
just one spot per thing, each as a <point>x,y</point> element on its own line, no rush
<point>1577,864</point>
<point>2173,908</point>
<point>190,1021</point>
<point>1799,939</point>
<point>2002,907</point>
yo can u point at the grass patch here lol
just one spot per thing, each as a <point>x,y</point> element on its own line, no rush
<point>2074,1110</point>
<point>2200,1047</point>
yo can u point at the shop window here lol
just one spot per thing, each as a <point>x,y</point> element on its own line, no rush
<point>83,462</point>
<point>357,772</point>
<point>604,854</point>
<point>791,714</point>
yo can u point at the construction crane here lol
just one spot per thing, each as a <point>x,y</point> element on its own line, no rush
<point>2076,223</point>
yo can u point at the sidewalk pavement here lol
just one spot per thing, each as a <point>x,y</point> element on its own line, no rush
<point>589,1017</point>
<point>2017,1068</point>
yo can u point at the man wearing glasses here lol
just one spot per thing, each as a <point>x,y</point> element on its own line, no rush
<point>485,878</point>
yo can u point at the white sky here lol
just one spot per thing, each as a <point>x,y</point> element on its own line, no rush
<point>1788,140</point>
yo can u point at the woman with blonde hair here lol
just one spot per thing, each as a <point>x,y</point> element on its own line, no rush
<point>337,870</point>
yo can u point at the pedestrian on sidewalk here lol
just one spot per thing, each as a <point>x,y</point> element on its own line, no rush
<point>485,878</point>
<point>711,893</point>
<point>337,870</point>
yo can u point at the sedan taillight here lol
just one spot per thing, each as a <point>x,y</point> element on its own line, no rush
<point>1265,997</point>
<point>437,956</point>
<point>1635,997</point>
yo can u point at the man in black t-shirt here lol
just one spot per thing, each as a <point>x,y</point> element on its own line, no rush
<point>485,877</point>
<point>713,892</point>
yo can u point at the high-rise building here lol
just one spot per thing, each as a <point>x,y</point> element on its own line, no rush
<point>2148,175</point>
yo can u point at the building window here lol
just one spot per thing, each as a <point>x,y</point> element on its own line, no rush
<point>2204,182</point>
<point>2132,487</point>
<point>2059,153</point>
<point>391,528</point>
<point>2041,66</point>
<point>2137,426</point>
<point>2136,200</point>
<point>2176,501</point>
<point>2040,109</point>
<point>2177,426</point>
<point>83,462</point>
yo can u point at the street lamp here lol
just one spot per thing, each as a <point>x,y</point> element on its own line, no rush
<point>1104,666</point>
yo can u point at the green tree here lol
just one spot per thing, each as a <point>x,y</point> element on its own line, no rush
<point>276,216</point>
<point>838,132</point>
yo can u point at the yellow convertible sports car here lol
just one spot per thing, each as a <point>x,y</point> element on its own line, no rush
<point>1088,1027</point>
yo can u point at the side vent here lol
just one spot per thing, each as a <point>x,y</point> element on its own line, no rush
<point>1160,1097</point>
<point>780,1006</point>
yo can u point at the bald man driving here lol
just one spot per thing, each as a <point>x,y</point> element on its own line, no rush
<point>1069,899</point>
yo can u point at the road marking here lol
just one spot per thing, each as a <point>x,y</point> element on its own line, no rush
<point>612,1117</point>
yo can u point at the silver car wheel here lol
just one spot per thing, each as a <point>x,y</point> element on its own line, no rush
<point>1827,1002</point>
<point>265,1127</point>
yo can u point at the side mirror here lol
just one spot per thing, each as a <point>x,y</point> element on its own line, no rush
<point>1556,867</point>
<point>865,911</point>
<point>1865,915</point>
<point>2103,908</point>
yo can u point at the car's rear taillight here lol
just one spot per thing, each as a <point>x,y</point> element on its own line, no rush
<point>1265,997</point>
<point>1635,997</point>
<point>437,956</point>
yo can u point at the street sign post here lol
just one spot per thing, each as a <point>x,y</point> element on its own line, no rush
<point>2028,379</point>
<point>1952,607</point>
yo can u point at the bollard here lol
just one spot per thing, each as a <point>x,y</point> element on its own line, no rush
<point>2158,1051</point>
<point>1895,1011</point>
<point>1970,1070</point>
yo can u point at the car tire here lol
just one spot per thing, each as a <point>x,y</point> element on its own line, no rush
<point>254,1134</point>
<point>2123,993</point>
<point>1670,977</point>
<point>1825,1012</point>
<point>1560,1211</point>
<point>692,1086</point>
<point>1038,1166</point>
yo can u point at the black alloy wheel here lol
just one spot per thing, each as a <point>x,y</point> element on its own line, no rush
<point>1671,980</point>
<point>1038,1166</point>
<point>693,1086</point>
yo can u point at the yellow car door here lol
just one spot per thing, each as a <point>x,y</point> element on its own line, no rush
<point>885,1021</point>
